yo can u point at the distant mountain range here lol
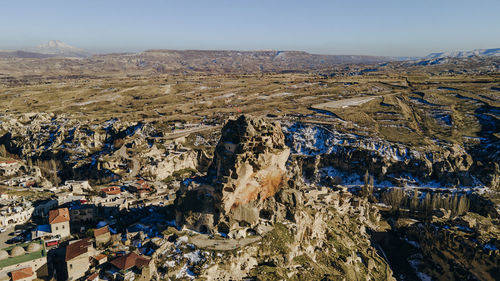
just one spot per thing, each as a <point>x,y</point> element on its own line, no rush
<point>465,54</point>
<point>59,57</point>
<point>23,55</point>
<point>58,48</point>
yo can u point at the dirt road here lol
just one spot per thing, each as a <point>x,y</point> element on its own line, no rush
<point>204,242</point>
<point>187,132</point>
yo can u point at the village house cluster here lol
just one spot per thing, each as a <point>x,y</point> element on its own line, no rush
<point>78,231</point>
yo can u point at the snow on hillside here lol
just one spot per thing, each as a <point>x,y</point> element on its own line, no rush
<point>56,47</point>
<point>466,54</point>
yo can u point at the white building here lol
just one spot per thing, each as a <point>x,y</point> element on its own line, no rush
<point>77,186</point>
<point>15,215</point>
<point>9,168</point>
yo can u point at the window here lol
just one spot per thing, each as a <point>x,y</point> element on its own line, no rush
<point>63,227</point>
<point>57,227</point>
<point>70,266</point>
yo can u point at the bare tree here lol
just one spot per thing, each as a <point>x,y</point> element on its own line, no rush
<point>414,201</point>
<point>393,198</point>
<point>463,205</point>
<point>367,188</point>
<point>427,205</point>
<point>3,151</point>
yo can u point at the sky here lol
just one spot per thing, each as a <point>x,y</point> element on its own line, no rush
<point>358,27</point>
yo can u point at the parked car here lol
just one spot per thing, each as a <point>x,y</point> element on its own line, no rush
<point>2,230</point>
<point>16,239</point>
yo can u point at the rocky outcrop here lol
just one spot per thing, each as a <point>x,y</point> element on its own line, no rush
<point>249,162</point>
<point>253,188</point>
<point>468,249</point>
<point>178,159</point>
<point>97,150</point>
<point>312,234</point>
<point>247,170</point>
<point>317,147</point>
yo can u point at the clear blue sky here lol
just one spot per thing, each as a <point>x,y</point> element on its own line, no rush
<point>372,27</point>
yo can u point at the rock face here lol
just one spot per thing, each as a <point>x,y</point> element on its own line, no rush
<point>247,170</point>
<point>447,253</point>
<point>94,150</point>
<point>449,164</point>
<point>249,162</point>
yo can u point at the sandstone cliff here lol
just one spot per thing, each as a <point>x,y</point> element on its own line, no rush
<point>249,162</point>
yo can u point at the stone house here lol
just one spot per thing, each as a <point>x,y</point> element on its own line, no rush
<point>43,207</point>
<point>140,187</point>
<point>132,267</point>
<point>83,213</point>
<point>59,222</point>
<point>102,236</point>
<point>78,254</point>
<point>111,190</point>
<point>77,186</point>
<point>99,260</point>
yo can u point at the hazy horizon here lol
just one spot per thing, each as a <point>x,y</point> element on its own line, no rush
<point>385,28</point>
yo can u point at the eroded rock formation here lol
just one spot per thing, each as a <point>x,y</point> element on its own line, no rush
<point>248,168</point>
<point>249,162</point>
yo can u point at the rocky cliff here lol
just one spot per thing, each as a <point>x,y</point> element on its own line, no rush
<point>248,167</point>
<point>305,232</point>
<point>249,162</point>
<point>96,150</point>
<point>318,148</point>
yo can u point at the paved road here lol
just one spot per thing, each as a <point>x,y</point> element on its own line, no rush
<point>4,236</point>
<point>204,242</point>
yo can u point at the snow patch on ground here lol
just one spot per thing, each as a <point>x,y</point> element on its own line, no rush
<point>490,247</point>
<point>315,140</point>
<point>413,243</point>
<point>280,94</point>
<point>185,272</point>
<point>194,257</point>
<point>414,263</point>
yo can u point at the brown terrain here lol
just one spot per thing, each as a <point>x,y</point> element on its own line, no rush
<point>281,165</point>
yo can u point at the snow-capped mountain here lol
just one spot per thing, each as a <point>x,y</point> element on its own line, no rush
<point>466,54</point>
<point>58,48</point>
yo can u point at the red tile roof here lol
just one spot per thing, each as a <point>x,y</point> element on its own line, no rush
<point>77,248</point>
<point>93,276</point>
<point>130,260</point>
<point>100,257</point>
<point>21,273</point>
<point>142,184</point>
<point>112,190</point>
<point>101,231</point>
<point>59,215</point>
